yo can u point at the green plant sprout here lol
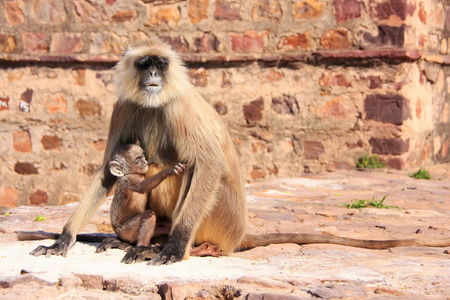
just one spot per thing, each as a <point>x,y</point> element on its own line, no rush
<point>40,218</point>
<point>370,162</point>
<point>358,204</point>
<point>7,214</point>
<point>421,174</point>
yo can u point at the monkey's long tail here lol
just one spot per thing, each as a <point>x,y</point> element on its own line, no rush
<point>255,240</point>
<point>43,235</point>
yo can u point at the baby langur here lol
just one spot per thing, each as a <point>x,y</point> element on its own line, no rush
<point>131,218</point>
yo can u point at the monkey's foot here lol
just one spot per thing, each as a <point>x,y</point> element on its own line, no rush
<point>206,249</point>
<point>112,243</point>
<point>140,253</point>
<point>60,247</point>
<point>172,252</point>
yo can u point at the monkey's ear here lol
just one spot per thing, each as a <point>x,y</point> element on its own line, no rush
<point>137,143</point>
<point>115,168</point>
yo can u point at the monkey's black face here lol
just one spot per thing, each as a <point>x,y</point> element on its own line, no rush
<point>151,69</point>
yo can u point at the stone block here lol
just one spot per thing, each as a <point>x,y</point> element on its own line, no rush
<point>395,163</point>
<point>124,16</point>
<point>207,43</point>
<point>309,9</point>
<point>258,173</point>
<point>250,41</point>
<point>164,14</point>
<point>221,108</point>
<point>9,197</point>
<point>56,103</point>
<point>393,146</point>
<point>389,10</point>
<point>22,141</point>
<point>107,42</point>
<point>39,197</point>
<point>390,108</point>
<point>332,79</point>
<point>294,42</point>
<point>178,43</point>
<point>90,281</point>
<point>66,42</point>
<point>4,103</point>
<point>34,42</point>
<point>267,9</point>
<point>198,10</point>
<point>50,142</point>
<point>14,14</point>
<point>312,150</point>
<point>229,11</point>
<point>199,77</point>
<point>347,9</point>
<point>90,13</point>
<point>25,168</point>
<point>25,100</point>
<point>387,36</point>
<point>50,11</point>
<point>88,107</point>
<point>254,110</point>
<point>285,105</point>
<point>335,39</point>
<point>8,43</point>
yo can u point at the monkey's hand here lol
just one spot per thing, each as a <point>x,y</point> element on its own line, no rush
<point>60,247</point>
<point>112,243</point>
<point>179,168</point>
<point>140,253</point>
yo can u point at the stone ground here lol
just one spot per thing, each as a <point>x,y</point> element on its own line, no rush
<point>310,204</point>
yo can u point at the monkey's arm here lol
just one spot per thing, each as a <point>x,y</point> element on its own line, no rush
<point>95,194</point>
<point>146,186</point>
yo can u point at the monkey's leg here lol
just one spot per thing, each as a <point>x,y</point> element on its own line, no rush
<point>206,249</point>
<point>91,200</point>
<point>144,224</point>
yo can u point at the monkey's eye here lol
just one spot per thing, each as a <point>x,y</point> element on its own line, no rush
<point>143,63</point>
<point>161,63</point>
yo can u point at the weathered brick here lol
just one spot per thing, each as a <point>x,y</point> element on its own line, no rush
<point>22,141</point>
<point>199,77</point>
<point>447,18</point>
<point>312,150</point>
<point>88,107</point>
<point>422,14</point>
<point>79,76</point>
<point>65,42</point>
<point>374,82</point>
<point>56,103</point>
<point>347,9</point>
<point>390,108</point>
<point>267,9</point>
<point>207,43</point>
<point>393,146</point>
<point>8,43</point>
<point>384,10</point>
<point>426,151</point>
<point>249,41</point>
<point>445,148</point>
<point>124,16</point>
<point>50,142</point>
<point>14,13</point>
<point>308,9</point>
<point>34,42</point>
<point>336,107</point>
<point>89,169</point>
<point>198,10</point>
<point>271,76</point>
<point>50,11</point>
<point>227,81</point>
<point>387,36</point>
<point>9,197</point>
<point>258,173</point>
<point>4,103</point>
<point>230,11</point>
<point>25,168</point>
<point>178,43</point>
<point>285,105</point>
<point>335,39</point>
<point>39,197</point>
<point>90,13</point>
<point>221,108</point>
<point>107,42</point>
<point>254,110</point>
<point>294,42</point>
<point>25,100</point>
<point>331,79</point>
<point>164,14</point>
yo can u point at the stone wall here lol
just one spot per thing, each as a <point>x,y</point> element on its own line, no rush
<point>305,85</point>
